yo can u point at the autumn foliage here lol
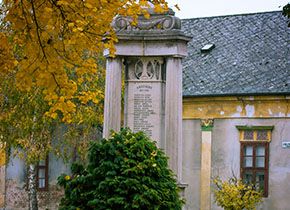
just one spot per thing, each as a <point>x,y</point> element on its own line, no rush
<point>54,44</point>
<point>52,71</point>
<point>233,194</point>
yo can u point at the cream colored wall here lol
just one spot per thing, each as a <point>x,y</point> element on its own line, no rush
<point>191,162</point>
<point>225,145</point>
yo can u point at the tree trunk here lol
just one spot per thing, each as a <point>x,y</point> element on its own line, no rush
<point>32,190</point>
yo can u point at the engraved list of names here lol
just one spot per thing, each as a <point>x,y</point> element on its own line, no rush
<point>143,109</point>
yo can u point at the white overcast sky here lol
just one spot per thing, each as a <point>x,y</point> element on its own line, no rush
<point>207,8</point>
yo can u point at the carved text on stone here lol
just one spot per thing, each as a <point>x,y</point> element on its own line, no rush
<point>143,109</point>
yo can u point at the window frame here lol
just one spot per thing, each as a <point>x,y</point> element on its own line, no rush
<point>254,169</point>
<point>255,142</point>
<point>45,167</point>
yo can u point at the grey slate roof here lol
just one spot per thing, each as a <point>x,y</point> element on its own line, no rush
<point>251,55</point>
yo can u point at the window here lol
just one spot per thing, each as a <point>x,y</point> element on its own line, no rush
<point>254,160</point>
<point>42,175</point>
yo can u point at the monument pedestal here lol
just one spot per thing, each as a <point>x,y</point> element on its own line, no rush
<point>152,52</point>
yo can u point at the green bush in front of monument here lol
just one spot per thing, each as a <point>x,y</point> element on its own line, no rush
<point>126,171</point>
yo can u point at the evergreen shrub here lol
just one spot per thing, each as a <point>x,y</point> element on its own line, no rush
<point>126,171</point>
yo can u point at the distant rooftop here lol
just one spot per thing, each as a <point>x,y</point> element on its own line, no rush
<point>237,55</point>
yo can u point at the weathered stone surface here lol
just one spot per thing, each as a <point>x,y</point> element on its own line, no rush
<point>2,185</point>
<point>144,101</point>
<point>112,110</point>
<point>153,97</point>
<point>157,21</point>
<point>17,196</point>
<point>173,114</point>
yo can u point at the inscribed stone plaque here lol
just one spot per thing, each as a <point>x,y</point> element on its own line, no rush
<point>144,102</point>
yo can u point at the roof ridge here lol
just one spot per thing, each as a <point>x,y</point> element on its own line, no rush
<point>233,15</point>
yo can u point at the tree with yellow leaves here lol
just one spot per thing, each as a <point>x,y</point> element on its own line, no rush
<point>25,127</point>
<point>54,42</point>
<point>48,68</point>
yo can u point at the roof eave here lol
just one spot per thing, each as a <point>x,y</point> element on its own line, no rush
<point>238,94</point>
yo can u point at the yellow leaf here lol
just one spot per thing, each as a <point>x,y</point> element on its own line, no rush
<point>71,25</point>
<point>88,5</point>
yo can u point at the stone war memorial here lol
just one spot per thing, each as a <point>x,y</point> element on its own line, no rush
<point>149,55</point>
<point>217,103</point>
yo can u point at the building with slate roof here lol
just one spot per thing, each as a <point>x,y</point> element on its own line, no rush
<point>251,55</point>
<point>236,106</point>
<point>236,115</point>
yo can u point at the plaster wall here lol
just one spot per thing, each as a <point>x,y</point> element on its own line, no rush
<point>191,162</point>
<point>16,192</point>
<point>225,158</point>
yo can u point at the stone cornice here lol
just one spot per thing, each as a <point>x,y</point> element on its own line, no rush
<point>155,35</point>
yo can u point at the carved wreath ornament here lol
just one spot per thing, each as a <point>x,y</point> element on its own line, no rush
<point>147,69</point>
<point>154,23</point>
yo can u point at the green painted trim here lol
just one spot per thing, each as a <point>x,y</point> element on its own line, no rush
<point>206,128</point>
<point>244,127</point>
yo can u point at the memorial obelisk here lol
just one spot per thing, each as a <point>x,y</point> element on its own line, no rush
<point>150,56</point>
